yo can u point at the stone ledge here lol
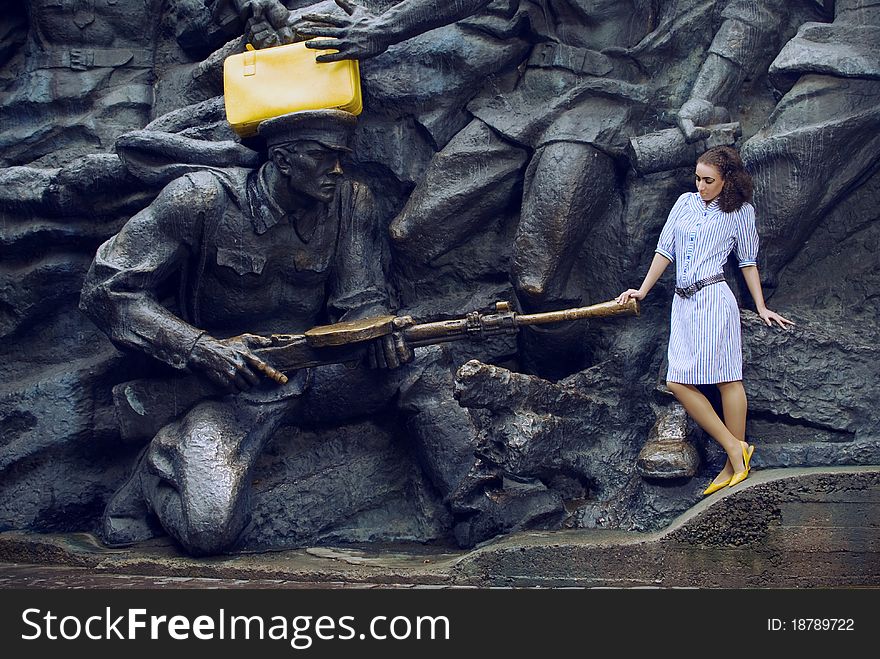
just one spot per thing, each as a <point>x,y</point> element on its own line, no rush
<point>782,528</point>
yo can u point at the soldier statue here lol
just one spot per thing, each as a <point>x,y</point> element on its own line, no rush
<point>249,252</point>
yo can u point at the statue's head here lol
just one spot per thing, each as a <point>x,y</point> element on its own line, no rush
<point>306,147</point>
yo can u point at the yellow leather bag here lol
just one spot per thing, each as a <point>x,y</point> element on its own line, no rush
<point>265,83</point>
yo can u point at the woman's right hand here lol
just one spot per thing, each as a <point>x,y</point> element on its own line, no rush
<point>630,294</point>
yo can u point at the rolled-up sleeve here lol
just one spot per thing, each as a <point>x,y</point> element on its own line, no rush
<point>666,243</point>
<point>122,287</point>
<point>746,236</point>
<point>358,287</point>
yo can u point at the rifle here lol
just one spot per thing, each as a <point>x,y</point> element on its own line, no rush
<point>144,406</point>
<point>349,341</point>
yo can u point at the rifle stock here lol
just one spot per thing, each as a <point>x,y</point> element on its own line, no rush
<point>603,309</point>
<point>292,352</point>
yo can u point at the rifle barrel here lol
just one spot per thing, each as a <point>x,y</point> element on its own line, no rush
<point>610,308</point>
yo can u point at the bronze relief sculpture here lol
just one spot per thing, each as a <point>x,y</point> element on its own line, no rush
<point>493,161</point>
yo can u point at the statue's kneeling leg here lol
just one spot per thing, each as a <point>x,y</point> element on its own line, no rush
<point>194,476</point>
<point>467,185</point>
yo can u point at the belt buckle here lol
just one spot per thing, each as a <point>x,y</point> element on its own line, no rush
<point>81,59</point>
<point>690,291</point>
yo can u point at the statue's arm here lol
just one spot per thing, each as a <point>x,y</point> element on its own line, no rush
<point>132,272</point>
<point>358,287</point>
<point>361,34</point>
<point>204,25</point>
<point>412,17</point>
<point>743,44</point>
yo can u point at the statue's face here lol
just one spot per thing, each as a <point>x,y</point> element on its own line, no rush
<point>709,181</point>
<point>311,169</point>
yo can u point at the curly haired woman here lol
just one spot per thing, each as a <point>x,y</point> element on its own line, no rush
<point>705,342</point>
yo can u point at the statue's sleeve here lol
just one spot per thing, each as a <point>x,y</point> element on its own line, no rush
<point>746,42</point>
<point>413,17</point>
<point>203,25</point>
<point>359,285</point>
<point>132,271</point>
<point>748,31</point>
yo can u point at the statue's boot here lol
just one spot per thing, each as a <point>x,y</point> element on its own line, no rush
<point>127,518</point>
<point>446,440</point>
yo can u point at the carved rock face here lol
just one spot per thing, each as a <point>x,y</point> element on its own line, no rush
<point>584,448</point>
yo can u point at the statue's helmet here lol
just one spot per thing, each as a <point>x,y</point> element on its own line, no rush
<point>330,128</point>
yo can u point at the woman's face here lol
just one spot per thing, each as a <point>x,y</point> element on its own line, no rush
<point>709,182</point>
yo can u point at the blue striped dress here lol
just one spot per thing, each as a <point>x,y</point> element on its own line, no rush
<point>705,339</point>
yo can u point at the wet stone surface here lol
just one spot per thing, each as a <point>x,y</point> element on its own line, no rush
<point>16,575</point>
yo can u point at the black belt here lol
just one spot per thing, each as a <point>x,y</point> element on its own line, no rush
<point>690,291</point>
<point>82,59</point>
<point>580,60</point>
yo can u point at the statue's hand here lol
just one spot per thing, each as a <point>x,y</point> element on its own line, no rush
<point>269,24</point>
<point>356,36</point>
<point>230,363</point>
<point>391,350</point>
<point>696,114</point>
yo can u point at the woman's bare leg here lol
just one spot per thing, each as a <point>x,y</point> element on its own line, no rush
<point>735,406</point>
<point>701,411</point>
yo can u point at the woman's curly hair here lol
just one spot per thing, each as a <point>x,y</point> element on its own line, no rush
<point>738,187</point>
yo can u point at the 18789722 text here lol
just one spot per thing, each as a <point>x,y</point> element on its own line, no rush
<point>811,624</point>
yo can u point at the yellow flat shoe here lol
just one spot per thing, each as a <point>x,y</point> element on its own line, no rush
<point>714,487</point>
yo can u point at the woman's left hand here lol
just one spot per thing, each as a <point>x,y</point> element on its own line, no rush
<point>769,316</point>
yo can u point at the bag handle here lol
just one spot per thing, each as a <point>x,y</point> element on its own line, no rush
<point>250,61</point>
